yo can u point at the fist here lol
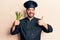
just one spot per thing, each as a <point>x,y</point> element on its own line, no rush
<point>41,22</point>
<point>16,22</point>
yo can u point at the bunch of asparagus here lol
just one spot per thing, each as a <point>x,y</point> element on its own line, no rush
<point>18,15</point>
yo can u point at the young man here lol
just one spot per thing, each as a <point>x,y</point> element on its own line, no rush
<point>30,28</point>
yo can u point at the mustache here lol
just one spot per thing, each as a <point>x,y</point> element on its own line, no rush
<point>31,13</point>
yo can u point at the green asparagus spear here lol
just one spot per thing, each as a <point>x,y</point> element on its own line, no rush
<point>18,15</point>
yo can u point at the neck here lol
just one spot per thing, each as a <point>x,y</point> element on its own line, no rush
<point>30,18</point>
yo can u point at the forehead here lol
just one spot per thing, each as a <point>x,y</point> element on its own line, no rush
<point>31,9</point>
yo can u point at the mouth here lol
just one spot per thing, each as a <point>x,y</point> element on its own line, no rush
<point>31,13</point>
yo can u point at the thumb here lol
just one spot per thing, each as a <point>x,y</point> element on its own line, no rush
<point>42,18</point>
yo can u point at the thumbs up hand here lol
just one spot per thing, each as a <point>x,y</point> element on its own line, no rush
<point>42,23</point>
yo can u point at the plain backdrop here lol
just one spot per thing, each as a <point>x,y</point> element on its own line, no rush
<point>49,9</point>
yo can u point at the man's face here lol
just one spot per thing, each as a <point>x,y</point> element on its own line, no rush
<point>30,12</point>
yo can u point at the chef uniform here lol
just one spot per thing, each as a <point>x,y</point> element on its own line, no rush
<point>30,30</point>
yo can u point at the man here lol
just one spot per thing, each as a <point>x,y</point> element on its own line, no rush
<point>30,28</point>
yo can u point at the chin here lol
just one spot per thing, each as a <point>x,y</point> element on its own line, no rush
<point>30,16</point>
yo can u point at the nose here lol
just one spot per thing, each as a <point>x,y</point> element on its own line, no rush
<point>30,11</point>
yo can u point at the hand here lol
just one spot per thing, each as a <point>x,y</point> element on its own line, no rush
<point>16,22</point>
<point>42,23</point>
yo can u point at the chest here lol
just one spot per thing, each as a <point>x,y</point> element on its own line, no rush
<point>31,26</point>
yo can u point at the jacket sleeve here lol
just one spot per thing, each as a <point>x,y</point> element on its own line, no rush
<point>50,29</point>
<point>17,29</point>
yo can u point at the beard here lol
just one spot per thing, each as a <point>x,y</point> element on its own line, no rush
<point>30,15</point>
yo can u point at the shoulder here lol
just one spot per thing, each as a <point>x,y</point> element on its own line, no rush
<point>22,20</point>
<point>37,18</point>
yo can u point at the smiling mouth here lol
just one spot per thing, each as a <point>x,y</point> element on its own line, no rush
<point>31,14</point>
